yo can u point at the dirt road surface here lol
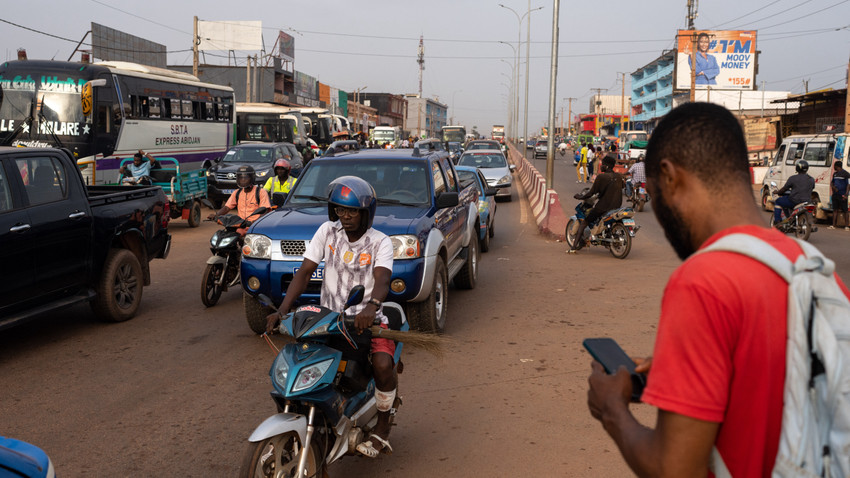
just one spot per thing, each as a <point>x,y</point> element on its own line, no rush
<point>177,390</point>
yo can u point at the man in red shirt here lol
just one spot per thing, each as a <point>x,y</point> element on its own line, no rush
<point>718,371</point>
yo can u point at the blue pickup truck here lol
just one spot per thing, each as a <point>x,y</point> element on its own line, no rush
<point>431,219</point>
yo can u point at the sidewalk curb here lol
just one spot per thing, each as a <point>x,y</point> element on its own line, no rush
<point>545,203</point>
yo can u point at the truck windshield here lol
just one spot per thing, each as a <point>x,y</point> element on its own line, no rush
<point>249,155</point>
<point>404,182</point>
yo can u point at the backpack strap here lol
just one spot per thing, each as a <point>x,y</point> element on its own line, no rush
<point>756,249</point>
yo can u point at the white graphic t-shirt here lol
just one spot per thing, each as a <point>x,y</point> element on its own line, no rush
<point>348,264</point>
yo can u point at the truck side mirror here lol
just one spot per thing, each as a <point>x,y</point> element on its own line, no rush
<point>447,199</point>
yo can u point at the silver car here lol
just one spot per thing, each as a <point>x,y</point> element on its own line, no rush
<point>495,168</point>
<point>541,148</point>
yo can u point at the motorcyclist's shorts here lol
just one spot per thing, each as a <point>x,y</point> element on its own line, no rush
<point>383,345</point>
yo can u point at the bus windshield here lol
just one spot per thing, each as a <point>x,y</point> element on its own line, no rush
<point>383,135</point>
<point>457,134</point>
<point>53,102</point>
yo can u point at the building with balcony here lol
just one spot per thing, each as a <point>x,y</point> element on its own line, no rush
<point>390,107</point>
<point>652,91</point>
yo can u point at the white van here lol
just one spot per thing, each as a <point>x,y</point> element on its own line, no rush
<point>819,150</point>
<point>625,143</point>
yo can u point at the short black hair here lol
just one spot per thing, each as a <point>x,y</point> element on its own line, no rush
<point>838,164</point>
<point>704,139</point>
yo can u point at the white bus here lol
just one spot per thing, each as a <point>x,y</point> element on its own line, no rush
<point>106,112</point>
<point>269,122</point>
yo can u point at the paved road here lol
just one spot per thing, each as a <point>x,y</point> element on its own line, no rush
<point>176,390</point>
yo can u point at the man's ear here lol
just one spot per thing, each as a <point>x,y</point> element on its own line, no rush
<point>669,177</point>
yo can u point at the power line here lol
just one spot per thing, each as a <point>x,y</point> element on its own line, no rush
<point>140,17</point>
<point>83,43</point>
<point>778,13</point>
<point>746,14</point>
<point>804,16</point>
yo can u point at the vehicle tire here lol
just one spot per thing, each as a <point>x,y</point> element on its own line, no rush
<point>262,458</point>
<point>210,291</point>
<point>771,223</point>
<point>468,275</point>
<point>803,228</point>
<point>622,244</point>
<point>430,314</point>
<point>491,231</point>
<point>119,291</point>
<point>640,205</point>
<point>255,313</point>
<point>765,201</point>
<point>195,214</point>
<point>571,232</point>
<point>485,243</point>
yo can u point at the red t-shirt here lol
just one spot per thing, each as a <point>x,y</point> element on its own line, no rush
<point>720,350</point>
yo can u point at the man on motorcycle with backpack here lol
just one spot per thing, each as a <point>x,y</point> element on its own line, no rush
<point>247,198</point>
<point>800,187</point>
<point>354,254</point>
<point>609,187</point>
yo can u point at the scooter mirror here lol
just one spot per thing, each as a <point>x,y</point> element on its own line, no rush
<point>355,296</point>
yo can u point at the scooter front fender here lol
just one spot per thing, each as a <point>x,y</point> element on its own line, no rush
<point>217,260</point>
<point>279,424</point>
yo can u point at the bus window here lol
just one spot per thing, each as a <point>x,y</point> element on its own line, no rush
<point>209,111</point>
<point>153,107</point>
<point>188,111</point>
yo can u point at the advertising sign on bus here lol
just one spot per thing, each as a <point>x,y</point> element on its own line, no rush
<point>725,60</point>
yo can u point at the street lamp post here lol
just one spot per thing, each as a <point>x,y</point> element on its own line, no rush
<point>514,92</point>
<point>453,105</point>
<point>518,43</point>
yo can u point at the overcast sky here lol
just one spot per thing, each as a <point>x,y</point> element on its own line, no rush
<point>374,43</point>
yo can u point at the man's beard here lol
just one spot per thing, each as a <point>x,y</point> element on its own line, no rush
<point>675,230</point>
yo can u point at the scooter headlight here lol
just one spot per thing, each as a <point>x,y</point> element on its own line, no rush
<point>227,241</point>
<point>257,246</point>
<point>311,375</point>
<point>280,371</point>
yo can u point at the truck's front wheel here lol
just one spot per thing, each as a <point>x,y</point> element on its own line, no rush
<point>430,314</point>
<point>119,291</point>
<point>255,313</point>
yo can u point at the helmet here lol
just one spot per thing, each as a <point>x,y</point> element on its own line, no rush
<point>802,166</point>
<point>282,163</point>
<point>351,191</point>
<point>245,171</point>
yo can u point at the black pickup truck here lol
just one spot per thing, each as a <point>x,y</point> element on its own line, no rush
<point>62,242</point>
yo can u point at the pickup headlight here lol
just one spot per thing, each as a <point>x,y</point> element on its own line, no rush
<point>257,246</point>
<point>505,179</point>
<point>310,375</point>
<point>262,174</point>
<point>405,247</point>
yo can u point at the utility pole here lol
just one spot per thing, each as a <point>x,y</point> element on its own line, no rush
<point>847,103</point>
<point>762,99</point>
<point>553,83</point>
<point>693,5</point>
<point>570,116</point>
<point>421,60</point>
<point>195,41</point>
<point>248,82</point>
<point>623,102</point>
<point>597,102</point>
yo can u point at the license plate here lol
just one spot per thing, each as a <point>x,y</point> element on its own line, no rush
<point>227,191</point>
<point>642,190</point>
<point>628,222</point>
<point>318,274</point>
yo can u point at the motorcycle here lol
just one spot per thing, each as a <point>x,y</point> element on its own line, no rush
<point>800,221</point>
<point>614,230</point>
<point>222,271</point>
<point>323,390</point>
<point>639,196</point>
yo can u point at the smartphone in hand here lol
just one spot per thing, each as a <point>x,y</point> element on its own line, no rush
<point>608,353</point>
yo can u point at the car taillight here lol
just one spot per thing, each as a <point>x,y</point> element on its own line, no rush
<point>811,208</point>
<point>166,215</point>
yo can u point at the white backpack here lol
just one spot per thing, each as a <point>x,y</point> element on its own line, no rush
<point>815,436</point>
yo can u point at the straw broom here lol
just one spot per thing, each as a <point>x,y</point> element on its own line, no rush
<point>431,343</point>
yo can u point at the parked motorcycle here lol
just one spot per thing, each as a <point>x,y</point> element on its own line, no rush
<point>800,221</point>
<point>639,196</point>
<point>222,271</point>
<point>324,392</point>
<point>614,230</point>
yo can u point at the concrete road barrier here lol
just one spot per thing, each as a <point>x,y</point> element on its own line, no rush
<point>545,203</point>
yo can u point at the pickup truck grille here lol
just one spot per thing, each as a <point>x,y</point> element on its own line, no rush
<point>223,177</point>
<point>293,248</point>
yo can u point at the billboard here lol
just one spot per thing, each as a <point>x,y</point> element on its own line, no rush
<point>287,46</point>
<point>109,44</point>
<point>725,59</point>
<point>224,36</point>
